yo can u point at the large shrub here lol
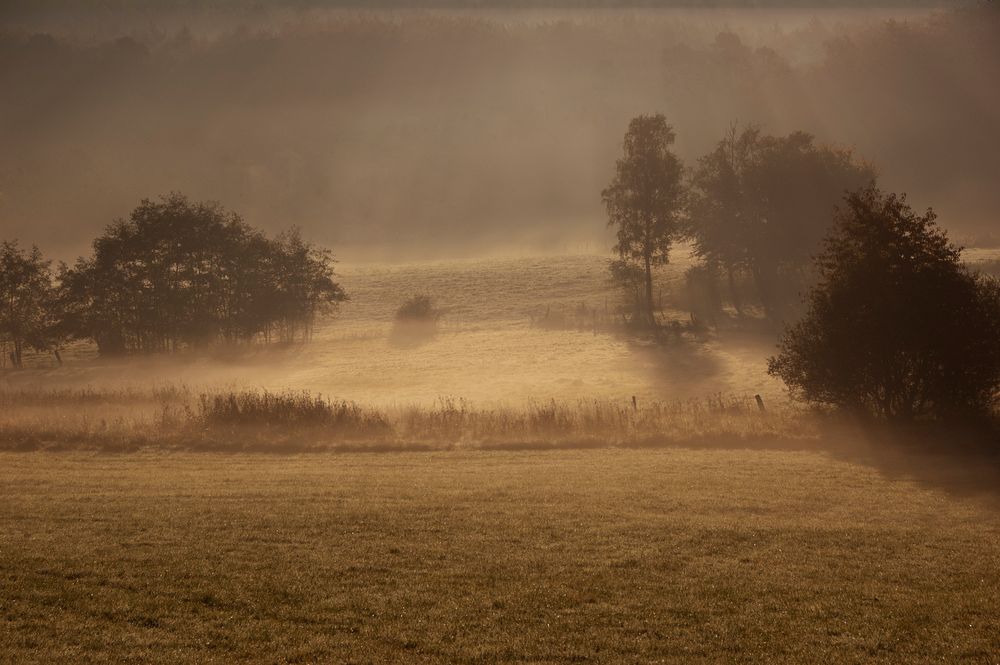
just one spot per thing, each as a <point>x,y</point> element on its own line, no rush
<point>897,326</point>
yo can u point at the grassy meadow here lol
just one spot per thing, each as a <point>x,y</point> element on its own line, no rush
<point>486,493</point>
<point>513,330</point>
<point>651,555</point>
<point>493,345</point>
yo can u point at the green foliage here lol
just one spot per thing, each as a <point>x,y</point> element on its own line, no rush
<point>897,327</point>
<point>181,274</point>
<point>644,202</point>
<point>763,203</point>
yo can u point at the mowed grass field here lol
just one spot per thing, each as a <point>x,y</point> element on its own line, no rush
<point>606,555</point>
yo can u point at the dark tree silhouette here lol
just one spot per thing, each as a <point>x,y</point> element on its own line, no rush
<point>718,218</point>
<point>28,313</point>
<point>184,274</point>
<point>897,326</point>
<point>644,202</point>
<point>762,204</point>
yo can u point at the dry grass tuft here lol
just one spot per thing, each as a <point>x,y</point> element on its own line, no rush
<point>286,410</point>
<point>89,395</point>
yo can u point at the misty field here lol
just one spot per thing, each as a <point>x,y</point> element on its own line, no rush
<point>509,333</point>
<point>516,505</point>
<point>615,331</point>
<point>562,556</point>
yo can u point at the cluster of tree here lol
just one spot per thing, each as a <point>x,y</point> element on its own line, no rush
<point>175,274</point>
<point>896,327</point>
<point>760,205</point>
<point>756,205</point>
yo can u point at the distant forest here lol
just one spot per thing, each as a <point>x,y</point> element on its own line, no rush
<point>432,134</point>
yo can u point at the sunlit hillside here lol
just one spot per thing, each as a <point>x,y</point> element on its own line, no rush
<point>512,331</point>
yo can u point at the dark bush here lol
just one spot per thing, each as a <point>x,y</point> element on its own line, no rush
<point>897,326</point>
<point>419,308</point>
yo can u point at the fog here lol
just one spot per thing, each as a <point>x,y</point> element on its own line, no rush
<point>532,381</point>
<point>405,134</point>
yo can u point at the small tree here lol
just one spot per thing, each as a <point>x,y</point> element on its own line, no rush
<point>27,303</point>
<point>897,326</point>
<point>644,201</point>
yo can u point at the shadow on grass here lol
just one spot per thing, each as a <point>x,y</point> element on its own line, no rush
<point>412,334</point>
<point>961,462</point>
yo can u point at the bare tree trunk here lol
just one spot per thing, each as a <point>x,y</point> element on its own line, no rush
<point>650,309</point>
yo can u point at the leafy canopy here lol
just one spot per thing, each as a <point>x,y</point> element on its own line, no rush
<point>762,204</point>
<point>645,200</point>
<point>897,326</point>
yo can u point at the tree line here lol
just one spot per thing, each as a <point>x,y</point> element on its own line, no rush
<point>175,274</point>
<point>895,326</point>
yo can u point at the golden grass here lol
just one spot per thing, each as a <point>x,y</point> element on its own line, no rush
<point>295,421</point>
<point>613,555</point>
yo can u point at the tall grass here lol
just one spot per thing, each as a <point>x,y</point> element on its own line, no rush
<point>287,410</point>
<point>598,421</point>
<point>89,395</point>
<point>299,420</point>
